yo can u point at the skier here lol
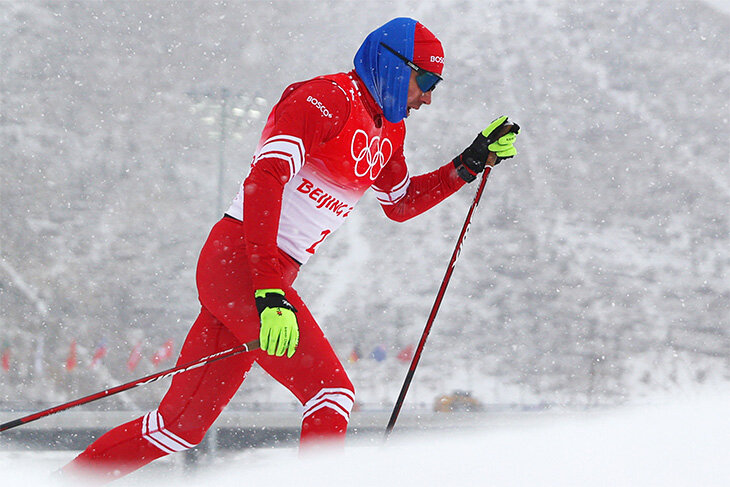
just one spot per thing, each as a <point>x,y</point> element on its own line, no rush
<point>326,142</point>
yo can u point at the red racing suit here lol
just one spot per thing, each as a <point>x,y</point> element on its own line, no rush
<point>324,144</point>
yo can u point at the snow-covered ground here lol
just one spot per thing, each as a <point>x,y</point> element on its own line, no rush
<point>678,443</point>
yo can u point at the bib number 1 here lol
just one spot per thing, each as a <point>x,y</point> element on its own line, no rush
<point>321,239</point>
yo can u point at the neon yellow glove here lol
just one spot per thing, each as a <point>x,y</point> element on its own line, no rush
<point>279,330</point>
<point>474,158</point>
<point>503,146</point>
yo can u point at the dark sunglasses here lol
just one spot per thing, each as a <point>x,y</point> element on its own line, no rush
<point>426,80</point>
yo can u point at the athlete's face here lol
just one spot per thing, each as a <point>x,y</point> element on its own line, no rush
<point>416,97</point>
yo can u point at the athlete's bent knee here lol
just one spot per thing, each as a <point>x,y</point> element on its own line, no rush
<point>338,399</point>
<point>154,431</point>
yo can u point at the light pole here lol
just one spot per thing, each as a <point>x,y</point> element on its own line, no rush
<point>225,95</point>
<point>229,104</point>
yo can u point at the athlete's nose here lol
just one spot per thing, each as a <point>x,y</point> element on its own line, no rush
<point>426,98</point>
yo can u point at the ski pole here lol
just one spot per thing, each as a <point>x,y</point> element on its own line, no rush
<point>442,290</point>
<point>179,369</point>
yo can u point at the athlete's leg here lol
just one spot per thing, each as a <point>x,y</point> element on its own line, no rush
<point>195,398</point>
<point>317,378</point>
<point>193,402</point>
<point>314,374</point>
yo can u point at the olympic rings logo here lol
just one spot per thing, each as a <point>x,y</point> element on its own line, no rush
<point>370,155</point>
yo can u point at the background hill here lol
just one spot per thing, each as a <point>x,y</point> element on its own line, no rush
<point>596,268</point>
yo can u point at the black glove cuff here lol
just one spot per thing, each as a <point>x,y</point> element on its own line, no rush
<point>273,300</point>
<point>463,170</point>
<point>473,160</point>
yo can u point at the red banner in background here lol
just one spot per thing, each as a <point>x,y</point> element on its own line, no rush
<point>5,360</point>
<point>71,360</point>
<point>354,356</point>
<point>99,355</point>
<point>134,357</point>
<point>163,353</point>
<point>406,354</point>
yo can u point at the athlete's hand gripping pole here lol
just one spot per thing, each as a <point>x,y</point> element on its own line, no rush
<point>492,145</point>
<point>179,369</point>
<point>279,329</point>
<point>482,155</point>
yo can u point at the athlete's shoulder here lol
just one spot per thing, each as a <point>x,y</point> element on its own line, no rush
<point>323,94</point>
<point>320,102</point>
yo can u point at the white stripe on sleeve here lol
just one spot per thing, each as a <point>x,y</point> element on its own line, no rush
<point>285,147</point>
<point>394,194</point>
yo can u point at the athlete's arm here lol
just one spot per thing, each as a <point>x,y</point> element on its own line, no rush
<point>296,124</point>
<point>402,197</point>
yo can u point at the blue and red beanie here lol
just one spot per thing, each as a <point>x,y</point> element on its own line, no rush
<point>385,76</point>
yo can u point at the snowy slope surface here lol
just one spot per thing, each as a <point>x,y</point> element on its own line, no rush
<point>686,444</point>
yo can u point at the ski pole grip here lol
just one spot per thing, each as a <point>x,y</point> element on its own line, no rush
<point>502,131</point>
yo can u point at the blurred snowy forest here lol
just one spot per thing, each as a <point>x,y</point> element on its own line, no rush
<point>596,268</point>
